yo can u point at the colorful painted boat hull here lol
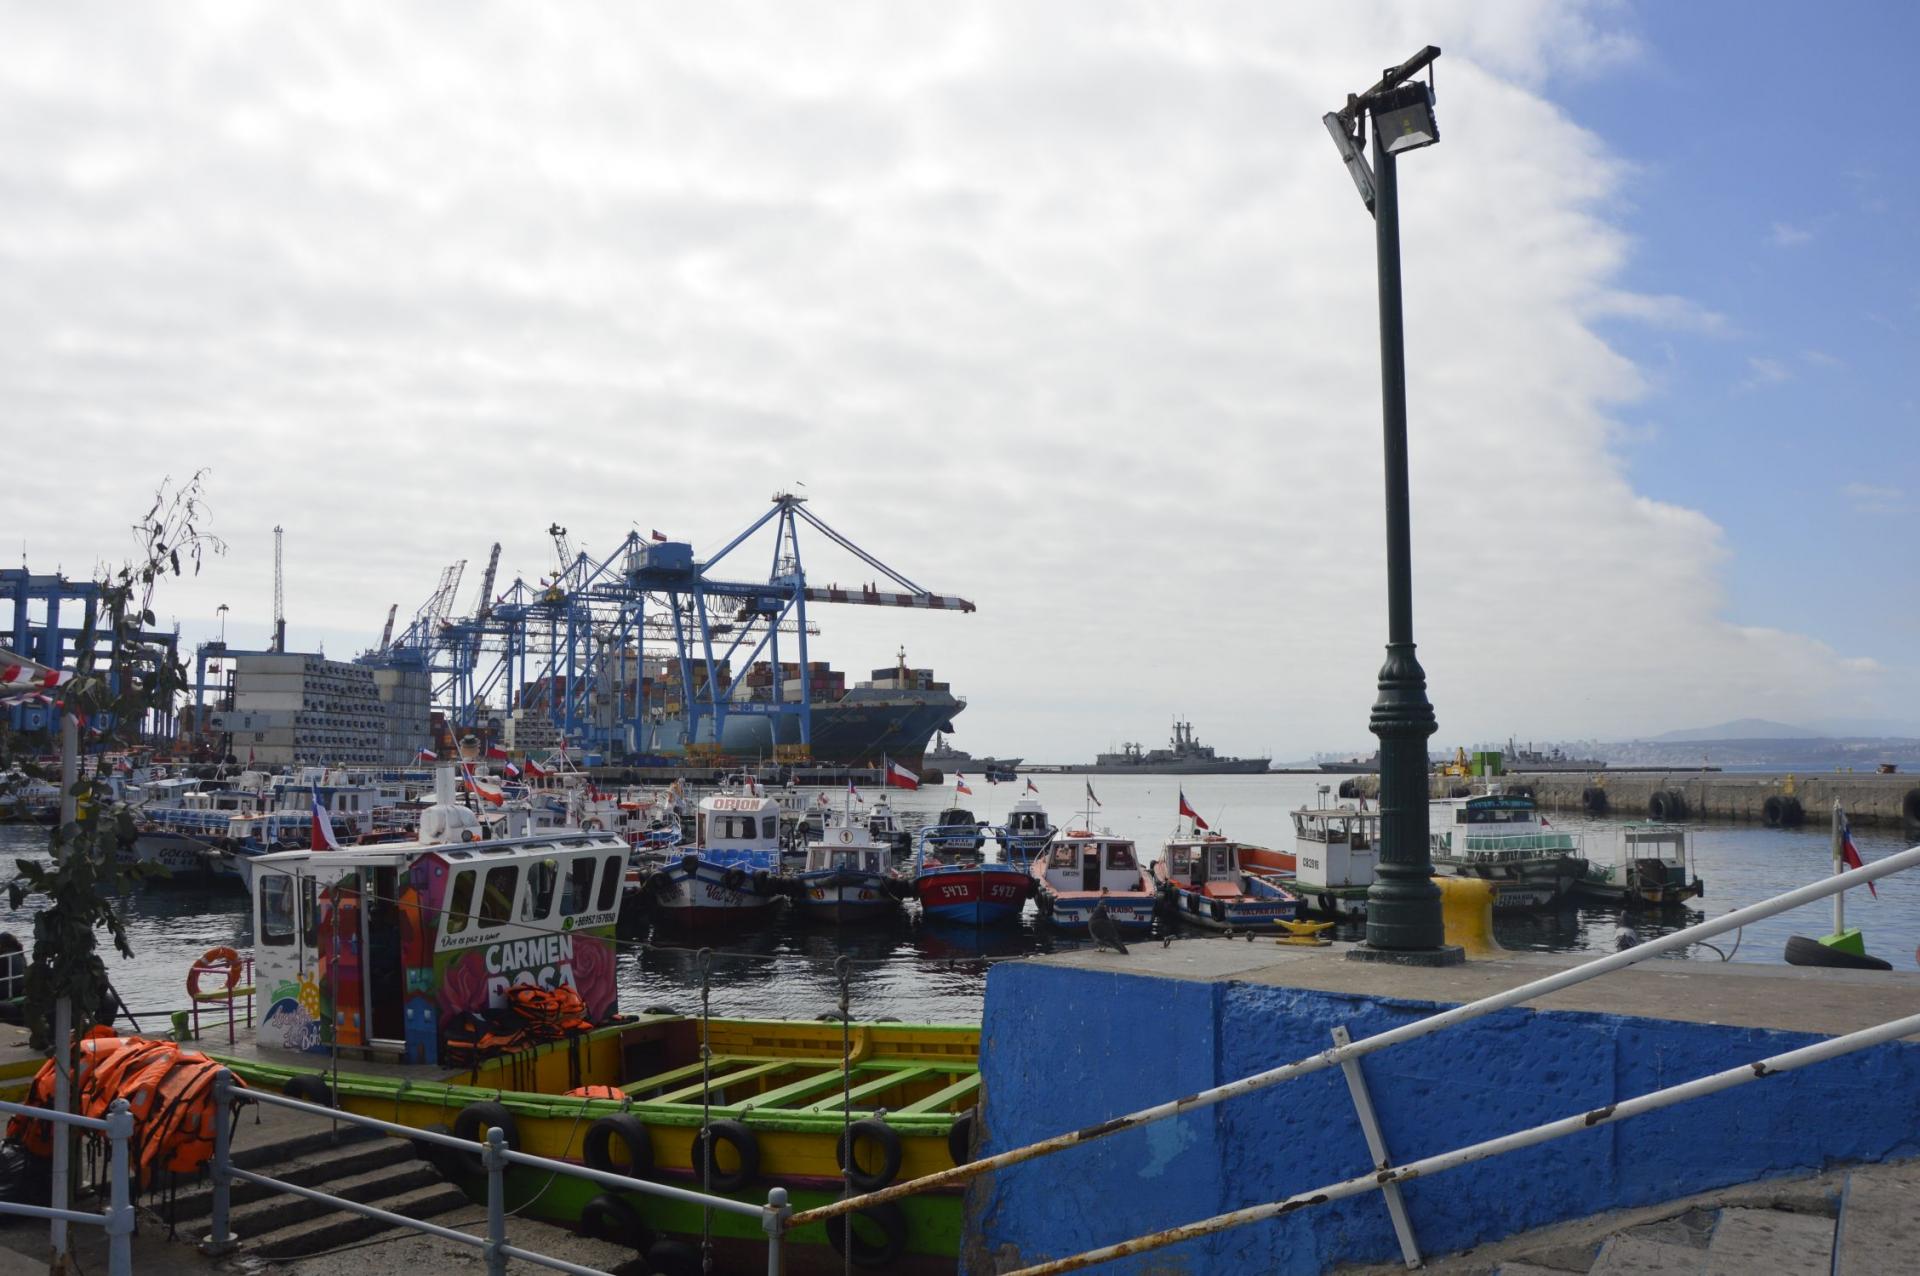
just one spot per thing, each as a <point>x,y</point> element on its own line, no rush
<point>842,897</point>
<point>712,897</point>
<point>1131,911</point>
<point>973,894</point>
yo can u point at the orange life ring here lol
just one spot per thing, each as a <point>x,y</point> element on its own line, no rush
<point>208,960</point>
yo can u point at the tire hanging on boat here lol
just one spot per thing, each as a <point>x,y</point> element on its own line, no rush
<point>597,1148</point>
<point>673,1258</point>
<point>891,1222</point>
<point>471,1127</point>
<point>1594,799</point>
<point>1770,811</point>
<point>736,878</point>
<point>846,1154</point>
<point>746,1146</point>
<point>960,1137</point>
<point>609,1218</point>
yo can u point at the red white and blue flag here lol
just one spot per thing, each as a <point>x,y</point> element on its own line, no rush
<point>486,792</point>
<point>511,771</point>
<point>899,777</point>
<point>496,753</point>
<point>1030,787</point>
<point>853,792</point>
<point>1851,853</point>
<point>534,768</point>
<point>323,839</point>
<point>1190,813</point>
<point>425,755</point>
<point>658,535</point>
<point>960,784</point>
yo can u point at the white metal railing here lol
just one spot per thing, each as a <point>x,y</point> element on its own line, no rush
<point>1341,1054</point>
<point>495,1156</point>
<point>117,1218</point>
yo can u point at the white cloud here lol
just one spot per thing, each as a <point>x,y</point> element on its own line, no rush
<point>1788,236</point>
<point>1066,308</point>
<point>1765,372</point>
<point>1871,498</point>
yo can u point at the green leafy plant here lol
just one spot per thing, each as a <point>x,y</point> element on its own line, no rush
<point>124,674</point>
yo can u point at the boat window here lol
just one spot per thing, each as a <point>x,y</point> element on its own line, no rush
<point>579,893</point>
<point>1119,855</point>
<point>309,913</point>
<point>1220,859</point>
<point>770,827</point>
<point>277,922</point>
<point>610,883</point>
<point>460,902</point>
<point>542,877</point>
<point>873,862</point>
<point>496,896</point>
<point>1065,855</point>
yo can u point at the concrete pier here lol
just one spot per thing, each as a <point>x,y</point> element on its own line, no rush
<point>1075,1040</point>
<point>1871,800</point>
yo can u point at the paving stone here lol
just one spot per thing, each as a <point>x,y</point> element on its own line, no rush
<point>1673,1231</point>
<point>1529,1269</point>
<point>1770,1243</point>
<point>1629,1255</point>
<point>1879,1223</point>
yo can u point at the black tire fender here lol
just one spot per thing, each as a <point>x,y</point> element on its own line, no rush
<point>889,1219</point>
<point>611,1219</point>
<point>472,1125</point>
<point>745,1144</point>
<point>960,1136</point>
<point>880,1135</point>
<point>1770,811</point>
<point>736,878</point>
<point>690,863</point>
<point>673,1258</point>
<point>309,1089</point>
<point>1802,951</point>
<point>760,880</point>
<point>597,1148</point>
<point>1910,806</point>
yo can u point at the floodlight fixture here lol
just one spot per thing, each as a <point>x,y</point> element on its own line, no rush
<point>1352,156</point>
<point>1403,118</point>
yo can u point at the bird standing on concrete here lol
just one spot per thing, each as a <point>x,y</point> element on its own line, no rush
<point>1101,927</point>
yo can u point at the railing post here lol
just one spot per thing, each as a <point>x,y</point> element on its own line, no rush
<point>219,1239</point>
<point>774,1220</point>
<point>120,1193</point>
<point>496,1161</point>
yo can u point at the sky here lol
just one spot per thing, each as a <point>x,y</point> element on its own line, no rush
<point>1068,309</point>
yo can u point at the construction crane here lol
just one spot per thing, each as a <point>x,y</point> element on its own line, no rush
<point>485,608</point>
<point>386,634</point>
<point>279,595</point>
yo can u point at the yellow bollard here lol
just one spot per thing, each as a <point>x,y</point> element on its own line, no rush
<point>1466,910</point>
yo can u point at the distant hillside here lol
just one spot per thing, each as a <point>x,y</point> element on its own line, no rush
<point>1739,729</point>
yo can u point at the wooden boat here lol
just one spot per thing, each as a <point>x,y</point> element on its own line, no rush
<point>1201,880</point>
<point>729,879</point>
<point>1334,854</point>
<point>971,892</point>
<point>408,962</point>
<point>848,878</point>
<point>1026,832</point>
<point>955,829</point>
<point>1082,869</point>
<point>1652,870</point>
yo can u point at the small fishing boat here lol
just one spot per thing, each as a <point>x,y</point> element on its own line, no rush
<point>1651,869</point>
<point>848,878</point>
<point>971,892</point>
<point>1501,837</point>
<point>1335,849</point>
<point>730,876</point>
<point>1082,869</point>
<point>1201,881</point>
<point>955,830</point>
<point>883,823</point>
<point>1026,832</point>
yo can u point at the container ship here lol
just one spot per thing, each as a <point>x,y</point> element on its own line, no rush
<point>1184,756</point>
<point>891,715</point>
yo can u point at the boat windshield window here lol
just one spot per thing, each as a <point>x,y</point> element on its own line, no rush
<point>610,883</point>
<point>496,897</point>
<point>579,892</point>
<point>542,877</point>
<point>460,902</point>
<point>873,862</point>
<point>276,910</point>
<point>1065,855</point>
<point>769,827</point>
<point>1119,855</point>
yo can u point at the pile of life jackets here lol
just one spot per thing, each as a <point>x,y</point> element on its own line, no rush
<point>532,1015</point>
<point>169,1093</point>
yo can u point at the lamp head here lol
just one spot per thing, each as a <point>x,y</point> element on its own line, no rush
<point>1403,118</point>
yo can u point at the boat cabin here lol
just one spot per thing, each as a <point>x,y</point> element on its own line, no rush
<point>1494,826</point>
<point>1085,861</point>
<point>738,829</point>
<point>1335,846</point>
<point>846,844</point>
<point>1027,819</point>
<point>1197,861</point>
<point>375,949</point>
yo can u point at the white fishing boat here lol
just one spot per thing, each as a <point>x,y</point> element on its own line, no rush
<point>848,878</point>
<point>1083,869</point>
<point>1335,850</point>
<point>1502,838</point>
<point>729,877</point>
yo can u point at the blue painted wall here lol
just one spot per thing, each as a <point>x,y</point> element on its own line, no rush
<point>1064,1048</point>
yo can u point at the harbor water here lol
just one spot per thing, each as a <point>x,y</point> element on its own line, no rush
<point>925,972</point>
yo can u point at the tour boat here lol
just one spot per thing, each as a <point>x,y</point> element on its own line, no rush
<point>730,875</point>
<point>848,878</point>
<point>1501,838</point>
<point>1202,880</point>
<point>1082,869</point>
<point>971,892</point>
<point>1652,869</point>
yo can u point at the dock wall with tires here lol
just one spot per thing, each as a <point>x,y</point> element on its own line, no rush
<point>1076,1040</point>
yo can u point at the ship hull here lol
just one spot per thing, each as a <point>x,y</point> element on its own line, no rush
<point>712,897</point>
<point>975,895</point>
<point>1219,766</point>
<point>857,731</point>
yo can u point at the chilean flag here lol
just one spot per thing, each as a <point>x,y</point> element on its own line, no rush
<point>511,771</point>
<point>960,784</point>
<point>496,753</point>
<point>1190,813</point>
<point>900,778</point>
<point>853,791</point>
<point>1030,787</point>
<point>1851,853</point>
<point>485,792</point>
<point>534,768</point>
<point>323,839</point>
<point>657,535</point>
<point>425,755</point>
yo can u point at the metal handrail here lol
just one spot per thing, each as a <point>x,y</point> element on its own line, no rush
<point>1335,1056</point>
<point>117,1218</point>
<point>495,1156</point>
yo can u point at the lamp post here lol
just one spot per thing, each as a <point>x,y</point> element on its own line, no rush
<point>1403,904</point>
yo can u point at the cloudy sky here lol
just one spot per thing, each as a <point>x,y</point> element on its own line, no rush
<point>1066,308</point>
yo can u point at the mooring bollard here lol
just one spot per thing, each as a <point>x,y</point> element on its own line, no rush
<point>219,1239</point>
<point>496,1162</point>
<point>120,1193</point>
<point>774,1221</point>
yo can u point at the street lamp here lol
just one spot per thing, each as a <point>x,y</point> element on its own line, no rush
<point>1403,904</point>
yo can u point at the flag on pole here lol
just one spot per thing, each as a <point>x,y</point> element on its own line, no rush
<point>1090,797</point>
<point>323,839</point>
<point>899,777</point>
<point>853,792</point>
<point>496,753</point>
<point>1851,853</point>
<point>960,784</point>
<point>1030,787</point>
<point>534,768</point>
<point>511,771</point>
<point>823,798</point>
<point>425,755</point>
<point>249,755</point>
<point>1545,823</point>
<point>485,792</point>
<point>658,535</point>
<point>1190,813</point>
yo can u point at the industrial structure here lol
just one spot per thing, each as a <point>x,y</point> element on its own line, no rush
<point>38,624</point>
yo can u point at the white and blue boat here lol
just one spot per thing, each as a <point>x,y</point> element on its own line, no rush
<point>848,878</point>
<point>729,877</point>
<point>1082,869</point>
<point>1026,833</point>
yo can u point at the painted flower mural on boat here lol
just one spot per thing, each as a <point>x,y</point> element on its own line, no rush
<point>593,975</point>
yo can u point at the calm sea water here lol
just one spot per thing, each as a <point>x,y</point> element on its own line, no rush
<point>930,973</point>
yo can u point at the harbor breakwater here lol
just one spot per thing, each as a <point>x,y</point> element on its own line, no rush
<point>1073,1041</point>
